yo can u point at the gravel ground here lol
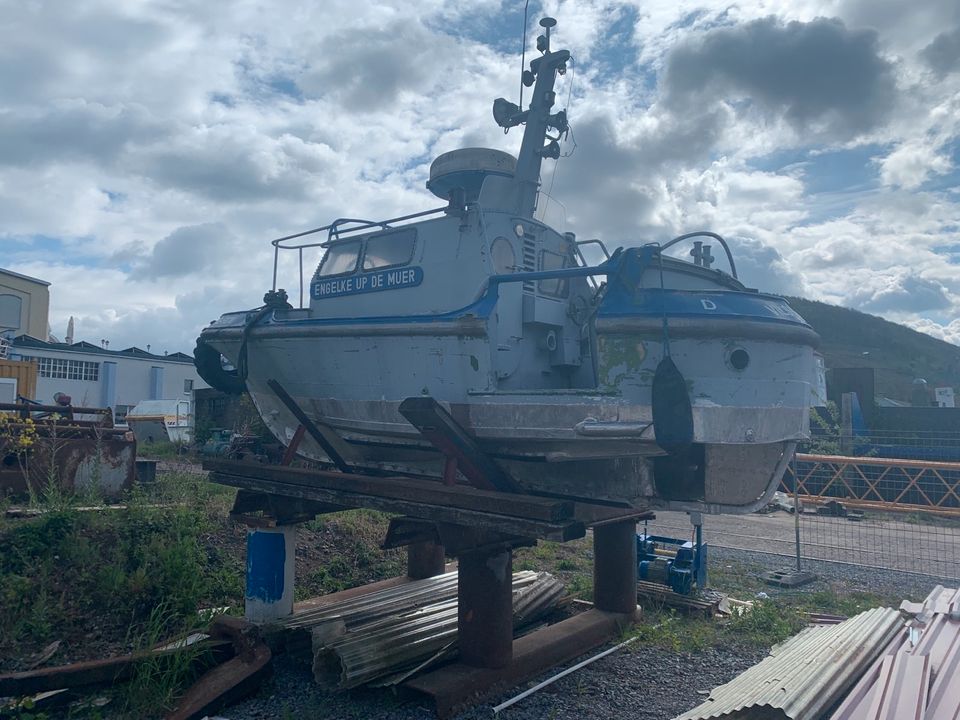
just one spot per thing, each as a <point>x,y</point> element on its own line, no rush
<point>643,682</point>
<point>838,577</point>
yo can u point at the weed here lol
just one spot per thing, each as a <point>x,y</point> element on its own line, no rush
<point>161,450</point>
<point>59,568</point>
<point>581,586</point>
<point>159,680</point>
<point>766,624</point>
<point>671,630</point>
<point>848,603</point>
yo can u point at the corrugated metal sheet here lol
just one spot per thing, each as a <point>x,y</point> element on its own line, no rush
<point>944,703</point>
<point>856,705</point>
<point>901,693</point>
<point>399,641</point>
<point>919,673</point>
<point>806,675</point>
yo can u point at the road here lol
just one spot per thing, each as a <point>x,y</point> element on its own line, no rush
<point>922,547</point>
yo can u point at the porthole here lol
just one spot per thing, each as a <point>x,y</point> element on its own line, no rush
<point>739,359</point>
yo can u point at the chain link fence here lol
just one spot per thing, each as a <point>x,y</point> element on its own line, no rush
<point>895,506</point>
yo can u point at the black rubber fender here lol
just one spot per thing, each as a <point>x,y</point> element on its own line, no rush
<point>207,361</point>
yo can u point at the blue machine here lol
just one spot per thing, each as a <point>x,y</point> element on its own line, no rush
<point>680,564</point>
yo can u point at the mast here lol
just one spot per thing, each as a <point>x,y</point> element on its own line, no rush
<point>543,72</point>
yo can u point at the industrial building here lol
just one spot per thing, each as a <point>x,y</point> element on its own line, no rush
<point>91,375</point>
<point>24,304</point>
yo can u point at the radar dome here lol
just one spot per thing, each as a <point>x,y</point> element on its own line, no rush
<point>466,169</point>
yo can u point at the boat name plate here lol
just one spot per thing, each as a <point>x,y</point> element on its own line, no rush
<point>392,279</point>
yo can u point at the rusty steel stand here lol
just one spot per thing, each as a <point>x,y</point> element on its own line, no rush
<point>425,559</point>
<point>615,566</point>
<point>485,607</point>
<point>480,524</point>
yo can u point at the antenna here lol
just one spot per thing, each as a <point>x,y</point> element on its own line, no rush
<point>523,56</point>
<point>547,22</point>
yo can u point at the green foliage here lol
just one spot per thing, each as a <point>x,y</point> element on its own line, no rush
<point>898,353</point>
<point>825,430</point>
<point>668,629</point>
<point>360,559</point>
<point>160,450</point>
<point>117,565</point>
<point>766,623</point>
<point>848,603</point>
<point>158,681</point>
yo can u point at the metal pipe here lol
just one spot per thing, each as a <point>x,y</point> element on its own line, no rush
<point>796,512</point>
<point>563,674</point>
<point>276,259</point>
<point>705,233</point>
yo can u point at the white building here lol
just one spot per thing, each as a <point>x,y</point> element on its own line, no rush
<point>96,377</point>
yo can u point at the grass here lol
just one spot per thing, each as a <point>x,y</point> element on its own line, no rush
<point>114,581</point>
<point>357,535</point>
<point>162,450</point>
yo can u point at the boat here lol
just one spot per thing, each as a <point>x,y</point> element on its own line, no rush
<point>645,379</point>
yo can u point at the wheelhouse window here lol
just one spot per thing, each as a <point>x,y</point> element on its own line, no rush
<point>555,287</point>
<point>340,259</point>
<point>390,249</point>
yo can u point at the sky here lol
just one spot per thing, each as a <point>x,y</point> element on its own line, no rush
<point>150,149</point>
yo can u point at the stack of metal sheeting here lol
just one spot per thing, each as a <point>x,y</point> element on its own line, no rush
<point>373,606</point>
<point>806,675</point>
<point>918,675</point>
<point>407,638</point>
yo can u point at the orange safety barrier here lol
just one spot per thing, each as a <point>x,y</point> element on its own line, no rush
<point>876,483</point>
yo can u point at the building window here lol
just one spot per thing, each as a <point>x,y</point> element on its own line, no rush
<point>120,414</point>
<point>83,370</point>
<point>68,369</point>
<point>188,386</point>
<point>10,309</point>
<point>52,367</point>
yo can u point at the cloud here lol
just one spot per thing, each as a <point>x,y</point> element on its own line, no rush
<point>943,54</point>
<point>189,250</point>
<point>822,77</point>
<point>164,143</point>
<point>903,293</point>
<point>231,163</point>
<point>912,163</point>
<point>366,69</point>
<point>949,332</point>
<point>72,130</point>
<point>763,267</point>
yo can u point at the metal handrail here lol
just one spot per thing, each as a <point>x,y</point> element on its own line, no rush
<point>335,232</point>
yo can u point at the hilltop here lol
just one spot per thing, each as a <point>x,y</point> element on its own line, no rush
<point>898,353</point>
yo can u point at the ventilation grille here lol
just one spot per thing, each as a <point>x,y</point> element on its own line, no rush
<point>529,261</point>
